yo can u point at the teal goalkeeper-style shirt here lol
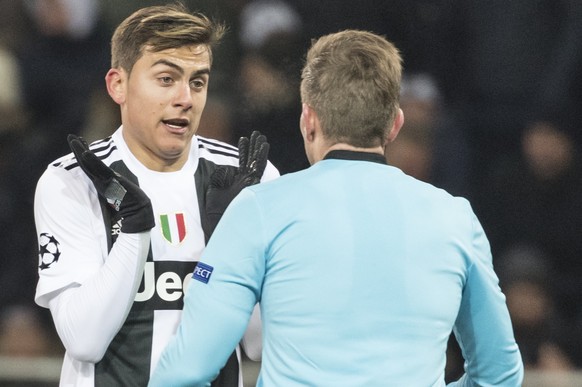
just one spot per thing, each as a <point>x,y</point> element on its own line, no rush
<point>361,272</point>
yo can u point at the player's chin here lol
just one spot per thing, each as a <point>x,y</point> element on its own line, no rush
<point>176,135</point>
<point>175,146</point>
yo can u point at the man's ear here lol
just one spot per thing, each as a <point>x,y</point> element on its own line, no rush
<point>308,123</point>
<point>116,82</point>
<point>398,122</point>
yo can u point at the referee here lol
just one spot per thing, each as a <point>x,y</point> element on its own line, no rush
<point>361,271</point>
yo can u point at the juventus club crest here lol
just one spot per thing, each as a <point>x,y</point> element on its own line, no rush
<point>173,227</point>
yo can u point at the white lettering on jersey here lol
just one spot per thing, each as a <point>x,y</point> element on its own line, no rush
<point>169,286</point>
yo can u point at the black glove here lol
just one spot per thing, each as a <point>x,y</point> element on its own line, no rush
<point>226,182</point>
<point>123,196</point>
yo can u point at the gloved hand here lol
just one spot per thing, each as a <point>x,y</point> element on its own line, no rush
<point>123,196</point>
<point>226,182</point>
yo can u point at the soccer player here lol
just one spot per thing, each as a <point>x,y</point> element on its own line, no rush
<point>362,272</point>
<point>122,222</point>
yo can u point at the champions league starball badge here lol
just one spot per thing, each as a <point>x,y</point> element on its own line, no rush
<point>49,251</point>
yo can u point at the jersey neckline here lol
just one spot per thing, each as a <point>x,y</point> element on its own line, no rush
<point>355,155</point>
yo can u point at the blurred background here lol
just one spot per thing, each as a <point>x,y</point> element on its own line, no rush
<point>491,94</point>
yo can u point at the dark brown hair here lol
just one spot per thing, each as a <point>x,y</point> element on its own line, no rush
<point>158,28</point>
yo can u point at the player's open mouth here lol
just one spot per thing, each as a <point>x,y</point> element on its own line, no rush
<point>178,124</point>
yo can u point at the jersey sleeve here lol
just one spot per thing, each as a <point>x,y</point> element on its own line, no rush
<point>89,290</point>
<point>70,247</point>
<point>220,299</point>
<point>483,327</point>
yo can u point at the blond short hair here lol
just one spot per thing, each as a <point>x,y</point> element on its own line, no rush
<point>352,80</point>
<point>159,28</point>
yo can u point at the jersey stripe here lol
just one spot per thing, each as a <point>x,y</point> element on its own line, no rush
<point>217,144</point>
<point>108,146</point>
<point>217,147</point>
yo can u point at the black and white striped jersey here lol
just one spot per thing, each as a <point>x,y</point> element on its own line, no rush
<point>80,233</point>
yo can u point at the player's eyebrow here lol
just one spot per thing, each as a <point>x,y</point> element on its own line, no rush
<point>178,68</point>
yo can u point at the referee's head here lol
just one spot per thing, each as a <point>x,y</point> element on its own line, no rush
<point>351,79</point>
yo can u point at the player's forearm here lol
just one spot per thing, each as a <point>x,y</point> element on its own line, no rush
<point>512,378</point>
<point>464,381</point>
<point>485,333</point>
<point>87,317</point>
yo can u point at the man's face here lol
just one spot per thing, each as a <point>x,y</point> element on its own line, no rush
<point>162,102</point>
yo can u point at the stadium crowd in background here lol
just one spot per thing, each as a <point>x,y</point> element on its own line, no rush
<point>491,90</point>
